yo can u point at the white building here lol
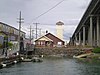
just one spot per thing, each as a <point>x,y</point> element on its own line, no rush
<point>59,28</point>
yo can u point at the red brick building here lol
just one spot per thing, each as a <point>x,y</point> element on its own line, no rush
<point>49,40</point>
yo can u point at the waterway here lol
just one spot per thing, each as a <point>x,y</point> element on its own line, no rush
<point>54,66</point>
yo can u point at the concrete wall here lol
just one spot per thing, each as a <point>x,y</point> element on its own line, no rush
<point>60,51</point>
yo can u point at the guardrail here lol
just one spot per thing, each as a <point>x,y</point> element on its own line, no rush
<point>8,51</point>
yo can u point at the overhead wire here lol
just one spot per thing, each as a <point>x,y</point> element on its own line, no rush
<point>55,24</point>
<point>48,10</point>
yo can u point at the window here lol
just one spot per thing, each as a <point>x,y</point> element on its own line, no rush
<point>38,43</point>
<point>59,43</point>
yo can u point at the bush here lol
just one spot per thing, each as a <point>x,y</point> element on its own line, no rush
<point>0,45</point>
<point>10,44</point>
<point>96,50</point>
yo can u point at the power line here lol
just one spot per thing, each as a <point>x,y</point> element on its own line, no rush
<point>55,24</point>
<point>49,10</point>
<point>25,30</point>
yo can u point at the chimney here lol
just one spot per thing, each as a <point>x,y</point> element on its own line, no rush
<point>46,31</point>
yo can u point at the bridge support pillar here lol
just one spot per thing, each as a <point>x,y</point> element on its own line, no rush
<point>79,38</point>
<point>98,32</point>
<point>84,36</point>
<point>75,38</point>
<point>91,32</point>
<point>94,38</point>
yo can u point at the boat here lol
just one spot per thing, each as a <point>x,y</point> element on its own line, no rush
<point>37,59</point>
<point>82,55</point>
<point>26,60</point>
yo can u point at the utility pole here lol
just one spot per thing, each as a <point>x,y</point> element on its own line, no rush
<point>30,34</point>
<point>40,32</point>
<point>30,37</point>
<point>36,28</point>
<point>20,21</point>
<point>33,34</point>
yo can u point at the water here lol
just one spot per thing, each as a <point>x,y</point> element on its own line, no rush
<point>54,66</point>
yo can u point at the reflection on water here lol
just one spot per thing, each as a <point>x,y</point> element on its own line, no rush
<point>54,66</point>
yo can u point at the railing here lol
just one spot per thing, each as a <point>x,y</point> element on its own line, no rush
<point>8,51</point>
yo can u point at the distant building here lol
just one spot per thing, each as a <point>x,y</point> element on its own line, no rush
<point>59,27</point>
<point>9,31</point>
<point>49,40</point>
<point>10,34</point>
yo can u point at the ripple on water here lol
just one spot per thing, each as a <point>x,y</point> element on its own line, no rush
<point>55,66</point>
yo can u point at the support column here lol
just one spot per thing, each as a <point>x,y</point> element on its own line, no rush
<point>84,36</point>
<point>91,32</point>
<point>75,38</point>
<point>79,38</point>
<point>94,38</point>
<point>70,41</point>
<point>74,42</point>
<point>98,33</point>
<point>88,41</point>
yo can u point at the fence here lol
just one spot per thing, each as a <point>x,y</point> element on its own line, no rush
<point>8,51</point>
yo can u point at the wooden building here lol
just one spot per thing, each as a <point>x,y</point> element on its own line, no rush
<point>9,31</point>
<point>49,40</point>
<point>9,34</point>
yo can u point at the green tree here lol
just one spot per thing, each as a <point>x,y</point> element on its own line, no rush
<point>10,44</point>
<point>1,45</point>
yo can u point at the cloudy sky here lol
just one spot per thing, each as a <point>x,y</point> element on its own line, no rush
<point>45,12</point>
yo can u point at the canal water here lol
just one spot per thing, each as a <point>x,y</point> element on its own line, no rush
<point>54,66</point>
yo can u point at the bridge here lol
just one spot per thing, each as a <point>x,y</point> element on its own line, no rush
<point>88,30</point>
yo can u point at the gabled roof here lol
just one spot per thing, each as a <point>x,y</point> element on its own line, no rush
<point>11,27</point>
<point>44,37</point>
<point>54,36</point>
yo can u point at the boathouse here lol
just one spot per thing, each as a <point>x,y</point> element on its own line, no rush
<point>49,40</point>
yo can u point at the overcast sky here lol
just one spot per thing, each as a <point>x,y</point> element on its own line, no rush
<point>69,11</point>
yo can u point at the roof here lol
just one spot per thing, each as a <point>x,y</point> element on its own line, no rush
<point>11,27</point>
<point>59,23</point>
<point>44,37</point>
<point>54,36</point>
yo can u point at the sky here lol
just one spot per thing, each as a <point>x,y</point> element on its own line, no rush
<point>45,12</point>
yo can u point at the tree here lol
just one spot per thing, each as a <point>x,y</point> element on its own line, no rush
<point>10,44</point>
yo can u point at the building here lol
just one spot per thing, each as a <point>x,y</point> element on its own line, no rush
<point>9,31</point>
<point>49,40</point>
<point>10,34</point>
<point>88,30</point>
<point>59,28</point>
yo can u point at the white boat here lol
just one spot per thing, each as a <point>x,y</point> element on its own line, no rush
<point>27,60</point>
<point>36,59</point>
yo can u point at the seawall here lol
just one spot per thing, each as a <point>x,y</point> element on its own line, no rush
<point>60,50</point>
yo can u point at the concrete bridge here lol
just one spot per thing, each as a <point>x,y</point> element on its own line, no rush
<point>88,30</point>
